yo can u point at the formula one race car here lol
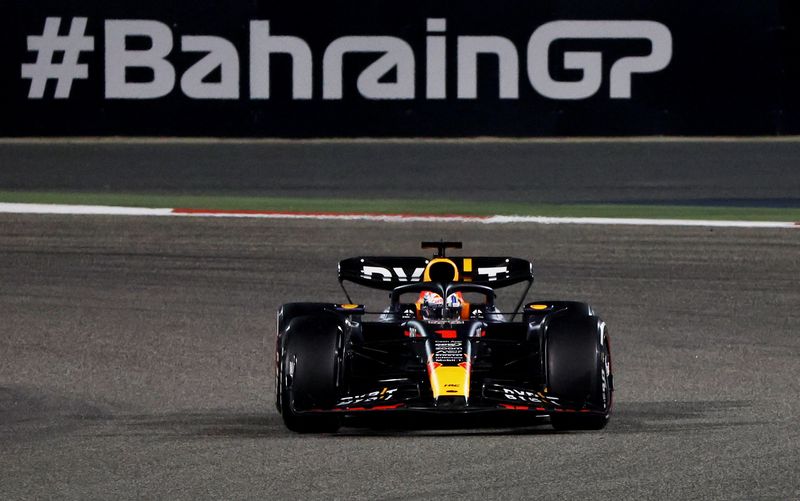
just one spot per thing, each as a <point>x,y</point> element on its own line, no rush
<point>441,346</point>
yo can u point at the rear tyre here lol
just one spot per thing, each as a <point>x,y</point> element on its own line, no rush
<point>309,367</point>
<point>579,370</point>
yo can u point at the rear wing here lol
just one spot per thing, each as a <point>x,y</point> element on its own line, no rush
<point>386,273</point>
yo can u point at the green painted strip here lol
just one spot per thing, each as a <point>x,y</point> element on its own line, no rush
<point>402,206</point>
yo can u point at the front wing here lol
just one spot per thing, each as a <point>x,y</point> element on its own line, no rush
<point>492,398</point>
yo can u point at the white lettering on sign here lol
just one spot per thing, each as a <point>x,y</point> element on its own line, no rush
<point>219,53</point>
<point>262,45</point>
<point>396,53</point>
<point>396,59</point>
<point>119,58</point>
<point>591,63</point>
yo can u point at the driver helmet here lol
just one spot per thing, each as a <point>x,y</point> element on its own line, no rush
<point>433,307</point>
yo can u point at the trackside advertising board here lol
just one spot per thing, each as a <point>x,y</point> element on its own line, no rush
<point>411,68</point>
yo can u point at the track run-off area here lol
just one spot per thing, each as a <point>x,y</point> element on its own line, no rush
<point>136,361</point>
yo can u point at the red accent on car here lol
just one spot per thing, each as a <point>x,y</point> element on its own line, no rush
<point>515,407</point>
<point>447,333</point>
<point>385,407</point>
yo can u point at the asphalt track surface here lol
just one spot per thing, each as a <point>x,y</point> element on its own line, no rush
<point>136,362</point>
<point>739,173</point>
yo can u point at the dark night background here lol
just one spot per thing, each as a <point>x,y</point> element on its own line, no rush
<point>735,70</point>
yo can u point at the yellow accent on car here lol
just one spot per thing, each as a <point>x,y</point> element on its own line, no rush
<point>467,264</point>
<point>450,381</point>
<point>539,306</point>
<point>348,306</point>
<point>426,277</point>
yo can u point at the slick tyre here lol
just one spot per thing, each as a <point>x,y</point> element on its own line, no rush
<point>309,368</point>
<point>579,370</point>
<point>289,311</point>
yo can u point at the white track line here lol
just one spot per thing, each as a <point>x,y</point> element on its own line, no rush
<point>642,222</point>
<point>16,208</point>
<point>101,210</point>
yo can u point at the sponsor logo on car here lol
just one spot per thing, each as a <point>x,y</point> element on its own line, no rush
<point>365,398</point>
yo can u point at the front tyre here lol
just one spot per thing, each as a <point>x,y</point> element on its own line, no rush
<point>579,370</point>
<point>308,374</point>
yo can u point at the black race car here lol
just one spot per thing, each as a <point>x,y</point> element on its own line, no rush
<point>441,346</point>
